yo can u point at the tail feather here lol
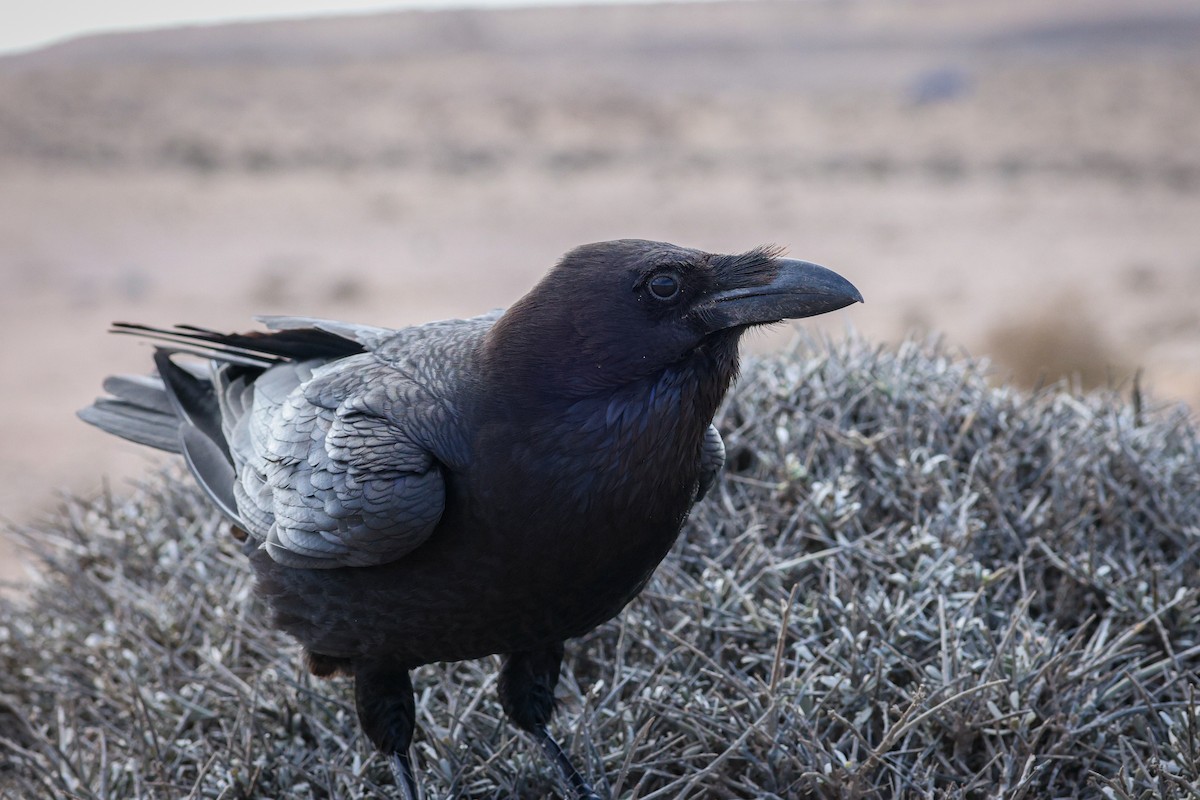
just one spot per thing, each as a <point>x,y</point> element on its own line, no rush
<point>134,422</point>
<point>144,391</point>
<point>263,348</point>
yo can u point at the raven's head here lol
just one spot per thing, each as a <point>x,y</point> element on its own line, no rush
<point>615,313</point>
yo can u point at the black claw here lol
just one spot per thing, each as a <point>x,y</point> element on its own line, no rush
<point>579,787</point>
<point>527,693</point>
<point>402,770</point>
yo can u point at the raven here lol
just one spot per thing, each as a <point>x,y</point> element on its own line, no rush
<point>463,488</point>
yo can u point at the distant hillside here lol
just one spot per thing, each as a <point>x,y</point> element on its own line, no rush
<point>656,30</point>
<point>569,88</point>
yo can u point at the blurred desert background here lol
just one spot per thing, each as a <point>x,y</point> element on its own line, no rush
<point>1020,177</point>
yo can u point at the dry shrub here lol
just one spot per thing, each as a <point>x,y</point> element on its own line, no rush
<point>908,584</point>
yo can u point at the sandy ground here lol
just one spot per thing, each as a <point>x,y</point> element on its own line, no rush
<point>1023,178</point>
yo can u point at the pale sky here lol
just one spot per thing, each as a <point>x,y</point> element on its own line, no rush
<point>27,25</point>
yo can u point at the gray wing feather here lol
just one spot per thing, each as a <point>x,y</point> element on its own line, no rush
<point>712,459</point>
<point>207,461</point>
<point>332,469</point>
<point>368,336</point>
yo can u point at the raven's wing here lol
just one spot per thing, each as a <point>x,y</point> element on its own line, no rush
<point>331,465</point>
<point>324,441</point>
<point>341,463</point>
<point>712,459</point>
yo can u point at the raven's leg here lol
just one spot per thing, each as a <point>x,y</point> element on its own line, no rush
<point>527,684</point>
<point>383,695</point>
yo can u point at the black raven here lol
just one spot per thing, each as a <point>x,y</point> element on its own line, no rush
<point>494,485</point>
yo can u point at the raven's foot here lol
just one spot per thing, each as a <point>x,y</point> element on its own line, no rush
<point>526,687</point>
<point>402,770</point>
<point>383,695</point>
<point>579,787</point>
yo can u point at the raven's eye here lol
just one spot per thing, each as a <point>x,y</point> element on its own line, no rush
<point>664,286</point>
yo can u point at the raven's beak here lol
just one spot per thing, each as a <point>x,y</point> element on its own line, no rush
<point>799,289</point>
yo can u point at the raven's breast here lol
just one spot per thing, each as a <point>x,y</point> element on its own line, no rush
<point>550,528</point>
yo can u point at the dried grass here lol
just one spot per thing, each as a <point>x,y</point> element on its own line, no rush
<point>908,584</point>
